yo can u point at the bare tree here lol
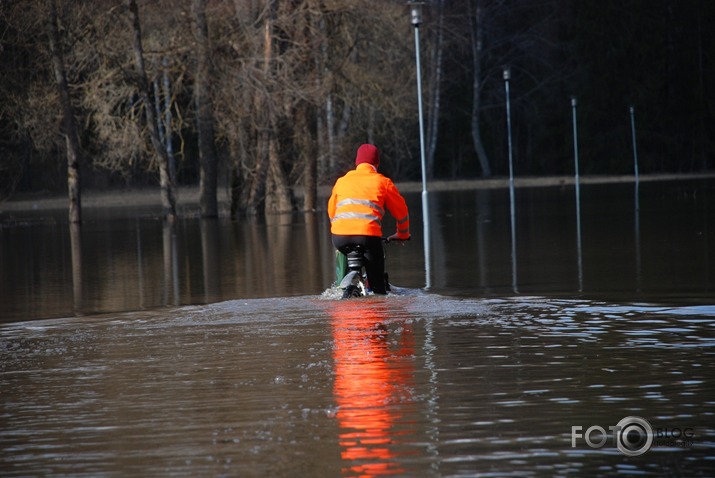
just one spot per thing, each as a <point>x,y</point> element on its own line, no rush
<point>69,125</point>
<point>305,135</point>
<point>204,114</point>
<point>309,155</point>
<point>278,194</point>
<point>261,100</point>
<point>168,198</point>
<point>163,103</point>
<point>476,29</point>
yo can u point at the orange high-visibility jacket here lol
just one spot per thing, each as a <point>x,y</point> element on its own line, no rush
<point>358,203</point>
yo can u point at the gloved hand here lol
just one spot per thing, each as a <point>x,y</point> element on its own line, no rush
<point>395,237</point>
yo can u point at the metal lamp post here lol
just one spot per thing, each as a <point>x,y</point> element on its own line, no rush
<point>416,20</point>
<point>635,150</point>
<point>632,111</point>
<point>577,182</point>
<point>633,137</point>
<point>507,77</point>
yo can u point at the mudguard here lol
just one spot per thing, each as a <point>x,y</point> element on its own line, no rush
<point>349,279</point>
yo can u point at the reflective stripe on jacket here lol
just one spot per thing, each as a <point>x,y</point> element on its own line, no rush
<point>359,200</point>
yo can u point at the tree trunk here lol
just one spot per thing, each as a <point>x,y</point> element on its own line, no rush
<point>69,124</point>
<point>330,130</point>
<point>256,195</point>
<point>204,111</point>
<point>168,119</point>
<point>477,38</point>
<point>76,248</point>
<point>162,106</point>
<point>168,199</point>
<point>236,188</point>
<point>310,159</point>
<point>278,192</point>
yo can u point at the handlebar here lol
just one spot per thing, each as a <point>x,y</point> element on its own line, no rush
<point>387,239</point>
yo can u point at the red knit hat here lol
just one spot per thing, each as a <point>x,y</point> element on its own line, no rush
<point>367,153</point>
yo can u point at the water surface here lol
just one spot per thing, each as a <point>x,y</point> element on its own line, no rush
<point>412,384</point>
<point>217,348</point>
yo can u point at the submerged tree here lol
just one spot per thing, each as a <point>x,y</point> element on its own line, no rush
<point>435,88</point>
<point>476,40</point>
<point>204,114</point>
<point>69,124</point>
<point>168,195</point>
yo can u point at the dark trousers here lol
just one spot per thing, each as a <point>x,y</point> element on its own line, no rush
<point>374,258</point>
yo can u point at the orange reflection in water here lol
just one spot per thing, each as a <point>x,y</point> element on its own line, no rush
<point>374,374</point>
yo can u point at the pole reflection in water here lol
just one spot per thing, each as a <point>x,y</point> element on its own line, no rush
<point>437,260</point>
<point>374,379</point>
<point>637,220</point>
<point>483,207</point>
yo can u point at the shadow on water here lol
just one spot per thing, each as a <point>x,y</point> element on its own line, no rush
<point>216,348</point>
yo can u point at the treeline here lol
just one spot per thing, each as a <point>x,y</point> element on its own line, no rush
<point>268,97</point>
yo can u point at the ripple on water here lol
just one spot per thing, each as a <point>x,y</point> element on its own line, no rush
<point>406,383</point>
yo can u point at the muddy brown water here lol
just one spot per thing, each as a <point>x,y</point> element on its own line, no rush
<point>217,348</point>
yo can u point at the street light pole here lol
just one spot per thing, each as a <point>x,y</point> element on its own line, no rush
<point>633,137</point>
<point>637,197</point>
<point>507,77</point>
<point>416,20</point>
<point>577,181</point>
<point>512,202</point>
<point>635,150</point>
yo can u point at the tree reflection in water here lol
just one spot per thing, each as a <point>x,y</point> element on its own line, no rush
<point>373,387</point>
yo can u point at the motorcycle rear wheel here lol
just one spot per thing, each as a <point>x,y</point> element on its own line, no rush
<point>351,291</point>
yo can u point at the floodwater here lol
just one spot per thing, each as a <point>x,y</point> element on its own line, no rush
<point>214,348</point>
